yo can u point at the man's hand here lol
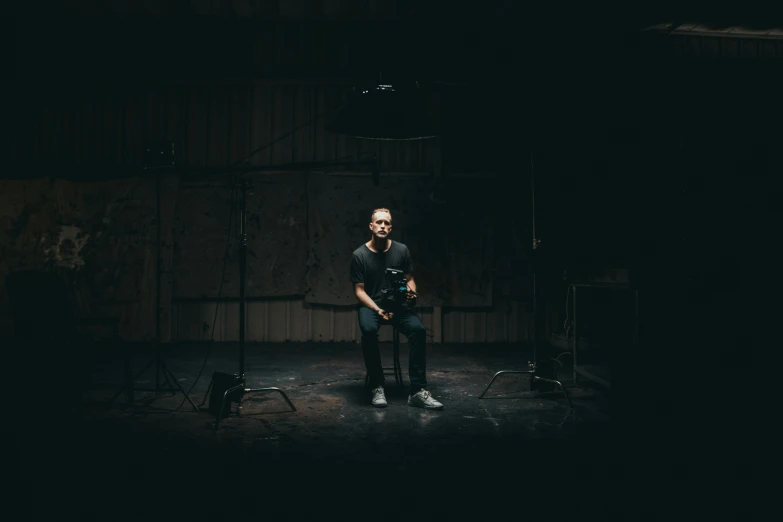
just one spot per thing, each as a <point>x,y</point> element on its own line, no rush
<point>410,298</point>
<point>385,315</point>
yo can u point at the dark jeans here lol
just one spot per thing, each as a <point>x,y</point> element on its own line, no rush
<point>410,325</point>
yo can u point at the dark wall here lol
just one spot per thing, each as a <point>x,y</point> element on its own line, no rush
<point>641,157</point>
<point>712,156</point>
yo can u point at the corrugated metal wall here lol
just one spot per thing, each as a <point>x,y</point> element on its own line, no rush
<point>694,40</point>
<point>213,126</point>
<point>283,8</point>
<point>725,47</point>
<point>296,321</point>
<point>218,124</point>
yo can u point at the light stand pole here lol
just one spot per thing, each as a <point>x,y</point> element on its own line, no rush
<point>160,364</point>
<point>240,389</point>
<point>532,365</point>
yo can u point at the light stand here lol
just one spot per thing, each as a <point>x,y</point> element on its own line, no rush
<point>532,368</point>
<point>160,364</point>
<point>240,389</point>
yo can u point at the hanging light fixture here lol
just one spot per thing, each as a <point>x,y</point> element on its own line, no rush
<point>386,111</point>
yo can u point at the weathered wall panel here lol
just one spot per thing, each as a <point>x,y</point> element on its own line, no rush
<point>278,321</point>
<point>518,322</point>
<point>455,258</point>
<point>731,42</point>
<point>497,321</point>
<point>169,187</point>
<point>276,237</point>
<point>230,323</point>
<point>299,321</point>
<point>257,321</point>
<point>322,323</point>
<point>201,238</point>
<point>454,326</point>
<point>110,264</point>
<point>344,319</point>
<point>214,125</point>
<point>475,327</point>
<point>133,290</point>
<point>195,321</point>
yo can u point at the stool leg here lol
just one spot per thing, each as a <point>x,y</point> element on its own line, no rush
<point>397,366</point>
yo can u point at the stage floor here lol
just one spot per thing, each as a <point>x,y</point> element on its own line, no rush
<point>335,441</point>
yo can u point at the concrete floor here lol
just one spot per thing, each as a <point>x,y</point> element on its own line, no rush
<point>335,457</point>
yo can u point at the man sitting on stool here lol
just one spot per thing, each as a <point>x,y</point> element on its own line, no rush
<point>368,275</point>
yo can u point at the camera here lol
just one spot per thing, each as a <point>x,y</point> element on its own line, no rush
<point>395,295</point>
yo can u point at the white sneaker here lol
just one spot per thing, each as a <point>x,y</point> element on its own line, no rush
<point>378,397</point>
<point>423,399</point>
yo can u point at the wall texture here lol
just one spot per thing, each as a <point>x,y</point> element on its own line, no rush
<point>213,125</point>
<point>102,238</point>
<point>470,236</point>
<point>96,217</point>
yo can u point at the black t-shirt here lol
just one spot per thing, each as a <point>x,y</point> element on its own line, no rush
<point>369,267</point>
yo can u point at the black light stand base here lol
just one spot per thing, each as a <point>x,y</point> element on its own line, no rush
<point>169,377</point>
<point>536,243</point>
<point>235,384</point>
<point>222,412</point>
<point>531,371</point>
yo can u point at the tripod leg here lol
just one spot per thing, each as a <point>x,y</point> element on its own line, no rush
<point>290,404</point>
<point>553,381</point>
<point>397,365</point>
<point>161,370</point>
<point>130,384</point>
<point>207,394</point>
<point>496,376</point>
<point>167,371</point>
<point>166,377</point>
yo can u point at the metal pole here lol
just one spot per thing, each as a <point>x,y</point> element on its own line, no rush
<point>242,280</point>
<point>533,257</point>
<point>636,325</point>
<point>244,186</point>
<point>532,367</point>
<point>158,362</point>
<point>157,281</point>
<point>576,333</point>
